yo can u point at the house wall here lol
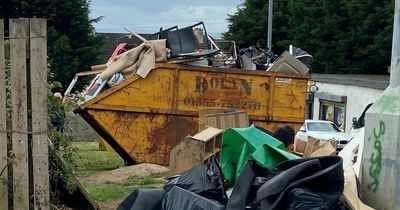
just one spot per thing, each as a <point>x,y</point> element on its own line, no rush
<point>355,99</point>
<point>78,128</point>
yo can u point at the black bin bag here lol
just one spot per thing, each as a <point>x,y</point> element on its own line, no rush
<point>143,199</point>
<point>205,180</point>
<point>181,199</point>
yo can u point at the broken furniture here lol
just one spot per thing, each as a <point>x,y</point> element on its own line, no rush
<point>92,90</point>
<point>190,41</point>
<point>194,150</point>
<point>227,56</point>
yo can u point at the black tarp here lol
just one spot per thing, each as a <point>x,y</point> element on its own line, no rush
<point>178,198</point>
<point>311,183</point>
<point>322,176</point>
<point>143,199</point>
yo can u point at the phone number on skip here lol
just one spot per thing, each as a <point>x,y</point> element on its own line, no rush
<point>224,103</point>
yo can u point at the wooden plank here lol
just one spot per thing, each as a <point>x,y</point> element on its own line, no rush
<point>38,71</point>
<point>3,123</point>
<point>18,34</point>
<point>207,134</point>
<point>61,164</point>
<point>353,201</point>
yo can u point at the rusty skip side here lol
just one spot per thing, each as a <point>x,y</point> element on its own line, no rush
<point>142,119</point>
<point>102,132</point>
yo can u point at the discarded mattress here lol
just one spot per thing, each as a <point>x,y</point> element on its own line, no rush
<point>242,144</point>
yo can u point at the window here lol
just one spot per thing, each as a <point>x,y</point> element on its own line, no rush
<point>334,112</point>
<point>303,128</point>
<point>317,126</point>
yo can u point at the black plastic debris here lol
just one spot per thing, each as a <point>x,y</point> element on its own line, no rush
<point>178,198</point>
<point>321,180</point>
<point>301,55</point>
<point>322,175</point>
<point>312,183</point>
<point>143,199</point>
<point>303,199</point>
<point>205,180</point>
<point>247,184</point>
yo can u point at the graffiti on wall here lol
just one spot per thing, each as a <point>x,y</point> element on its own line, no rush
<point>376,157</point>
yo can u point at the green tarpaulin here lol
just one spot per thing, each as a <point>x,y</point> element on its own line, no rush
<point>242,144</point>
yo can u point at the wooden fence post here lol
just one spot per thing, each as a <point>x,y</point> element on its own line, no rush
<point>38,64</point>
<point>30,171</point>
<point>19,115</point>
<point>3,124</point>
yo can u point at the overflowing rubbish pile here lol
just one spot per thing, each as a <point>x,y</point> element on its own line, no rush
<point>227,164</point>
<point>314,183</point>
<point>253,170</point>
<point>192,46</point>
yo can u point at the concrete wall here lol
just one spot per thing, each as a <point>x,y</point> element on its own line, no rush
<point>78,128</point>
<point>357,99</point>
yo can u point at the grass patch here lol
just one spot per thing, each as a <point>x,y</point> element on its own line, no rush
<point>158,178</point>
<point>91,159</point>
<point>109,191</point>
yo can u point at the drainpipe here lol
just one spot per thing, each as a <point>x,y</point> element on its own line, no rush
<point>395,64</point>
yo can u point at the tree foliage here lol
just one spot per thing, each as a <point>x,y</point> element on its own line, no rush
<point>344,36</point>
<point>72,44</point>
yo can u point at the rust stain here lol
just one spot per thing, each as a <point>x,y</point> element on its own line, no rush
<point>170,134</point>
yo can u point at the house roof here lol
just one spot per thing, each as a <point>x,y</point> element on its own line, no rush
<point>369,81</point>
<point>113,39</point>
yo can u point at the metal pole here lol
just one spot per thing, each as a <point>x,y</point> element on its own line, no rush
<point>269,36</point>
<point>395,64</point>
<point>135,34</point>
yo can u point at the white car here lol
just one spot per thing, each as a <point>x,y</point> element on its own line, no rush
<point>323,130</point>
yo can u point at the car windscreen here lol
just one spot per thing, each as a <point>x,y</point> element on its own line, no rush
<point>316,126</point>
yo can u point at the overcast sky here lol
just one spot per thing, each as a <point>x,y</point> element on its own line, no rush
<point>147,16</point>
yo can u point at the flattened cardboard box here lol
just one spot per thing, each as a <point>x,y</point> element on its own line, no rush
<point>228,120</point>
<point>316,144</point>
<point>325,150</point>
<point>299,145</point>
<point>204,112</point>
